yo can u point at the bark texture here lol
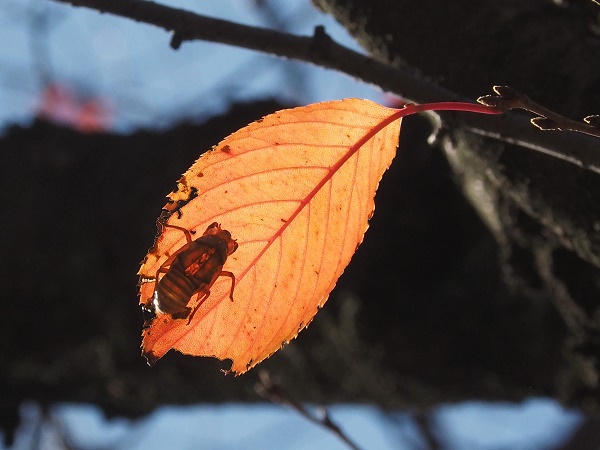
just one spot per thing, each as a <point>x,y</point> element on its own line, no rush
<point>543,213</point>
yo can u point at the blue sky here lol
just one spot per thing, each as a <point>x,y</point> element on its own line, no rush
<point>532,425</point>
<point>133,68</point>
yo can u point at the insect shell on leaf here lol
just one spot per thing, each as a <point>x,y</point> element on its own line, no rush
<point>191,270</point>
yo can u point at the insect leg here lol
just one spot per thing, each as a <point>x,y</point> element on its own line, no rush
<point>164,266</point>
<point>206,292</point>
<point>201,300</point>
<point>185,231</point>
<point>232,276</point>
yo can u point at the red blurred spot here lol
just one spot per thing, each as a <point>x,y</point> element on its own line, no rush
<point>61,105</point>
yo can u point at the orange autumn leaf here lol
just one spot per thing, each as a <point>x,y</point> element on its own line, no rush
<point>295,190</point>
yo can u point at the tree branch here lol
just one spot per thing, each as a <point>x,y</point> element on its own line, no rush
<point>508,99</point>
<point>321,50</point>
<point>275,393</point>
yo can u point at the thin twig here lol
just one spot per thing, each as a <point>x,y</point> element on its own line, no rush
<point>425,424</point>
<point>321,50</point>
<point>508,99</point>
<point>273,392</point>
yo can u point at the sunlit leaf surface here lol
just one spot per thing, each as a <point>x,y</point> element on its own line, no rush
<point>295,189</point>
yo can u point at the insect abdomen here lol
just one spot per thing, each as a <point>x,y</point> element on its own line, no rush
<point>175,290</point>
<point>192,270</point>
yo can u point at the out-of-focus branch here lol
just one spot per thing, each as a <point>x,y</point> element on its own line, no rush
<point>273,392</point>
<point>424,421</point>
<point>321,50</point>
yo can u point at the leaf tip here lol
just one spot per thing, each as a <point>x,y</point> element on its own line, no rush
<point>151,358</point>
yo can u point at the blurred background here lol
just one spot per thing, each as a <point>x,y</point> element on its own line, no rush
<point>75,66</point>
<point>98,117</point>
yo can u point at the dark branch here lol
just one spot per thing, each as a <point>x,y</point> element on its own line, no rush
<point>508,99</point>
<point>321,50</point>
<point>318,49</point>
